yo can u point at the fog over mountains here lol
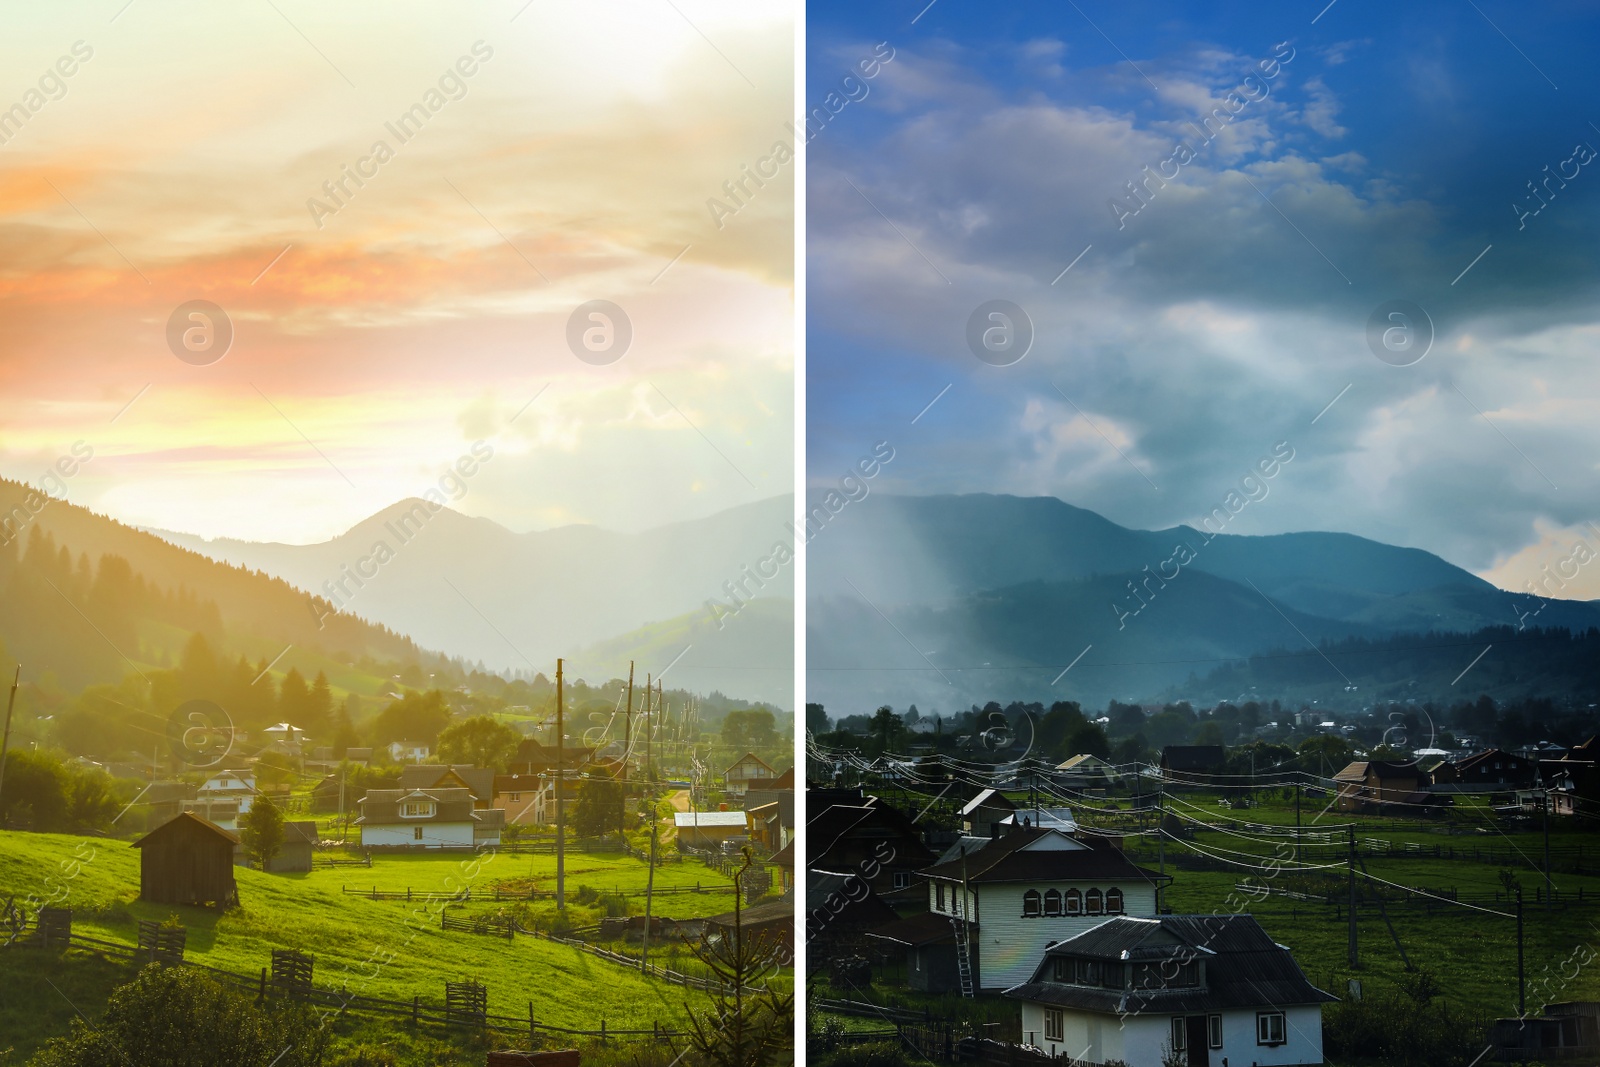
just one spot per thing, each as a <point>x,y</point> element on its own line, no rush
<point>470,587</point>
<point>946,600</point>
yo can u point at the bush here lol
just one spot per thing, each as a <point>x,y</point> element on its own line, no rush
<point>1399,1030</point>
<point>869,1054</point>
<point>173,1017</point>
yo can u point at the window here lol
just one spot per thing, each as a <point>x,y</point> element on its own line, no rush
<point>416,833</point>
<point>514,797</point>
<point>1093,902</point>
<point>1052,902</point>
<point>1063,970</point>
<point>938,895</point>
<point>1074,902</point>
<point>902,879</point>
<point>1088,972</point>
<point>1179,1033</point>
<point>417,809</point>
<point>1030,904</point>
<point>1054,1030</point>
<point>1269,1028</point>
<point>1113,902</point>
<point>1214,1030</point>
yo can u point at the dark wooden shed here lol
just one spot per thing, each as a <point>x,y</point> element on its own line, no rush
<point>187,860</point>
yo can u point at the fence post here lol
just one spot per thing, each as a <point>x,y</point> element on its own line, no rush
<point>263,992</point>
<point>602,1029</point>
<point>530,1024</point>
<point>416,1009</point>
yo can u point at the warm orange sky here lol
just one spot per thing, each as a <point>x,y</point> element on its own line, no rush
<point>573,163</point>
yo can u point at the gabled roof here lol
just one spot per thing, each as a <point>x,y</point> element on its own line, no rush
<point>784,857</point>
<point>381,807</point>
<point>924,928</point>
<point>480,780</point>
<point>1390,770</point>
<point>828,827</point>
<point>1193,758</point>
<point>750,756</point>
<point>303,832</point>
<point>1009,858</point>
<point>693,819</point>
<point>1243,966</point>
<point>1085,762</point>
<point>1495,753</point>
<point>989,798</point>
<point>186,820</point>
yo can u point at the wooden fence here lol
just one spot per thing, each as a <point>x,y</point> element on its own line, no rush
<point>467,893</point>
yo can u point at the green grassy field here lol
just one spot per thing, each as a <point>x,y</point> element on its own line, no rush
<point>389,949</point>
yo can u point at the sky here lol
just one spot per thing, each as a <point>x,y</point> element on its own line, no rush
<point>382,328</point>
<point>1364,154</point>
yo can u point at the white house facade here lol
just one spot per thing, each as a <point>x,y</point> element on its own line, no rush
<point>423,818</point>
<point>1029,888</point>
<point>231,786</point>
<point>1199,988</point>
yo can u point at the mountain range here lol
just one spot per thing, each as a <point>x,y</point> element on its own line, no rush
<point>950,600</point>
<point>472,588</point>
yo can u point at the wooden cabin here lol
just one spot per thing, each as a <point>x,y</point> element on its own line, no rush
<point>187,860</point>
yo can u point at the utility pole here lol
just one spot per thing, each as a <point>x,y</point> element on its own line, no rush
<point>1544,802</point>
<point>1161,835</point>
<point>1297,824</point>
<point>1355,958</point>
<point>1522,985</point>
<point>649,683</point>
<point>627,747</point>
<point>561,807</point>
<point>5,741</point>
<point>650,883</point>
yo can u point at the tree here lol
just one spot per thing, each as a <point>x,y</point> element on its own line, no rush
<point>817,720</point>
<point>261,831</point>
<point>177,1016</point>
<point>1087,737</point>
<point>481,740</point>
<point>886,728</point>
<point>599,807</point>
<point>413,717</point>
<point>1324,754</point>
<point>748,1024</point>
<point>750,730</point>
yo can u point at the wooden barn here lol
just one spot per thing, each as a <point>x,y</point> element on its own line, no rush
<point>299,845</point>
<point>187,860</point>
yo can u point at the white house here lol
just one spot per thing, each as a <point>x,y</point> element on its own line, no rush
<point>426,818</point>
<point>751,771</point>
<point>408,751</point>
<point>1209,988</point>
<point>1023,891</point>
<point>227,787</point>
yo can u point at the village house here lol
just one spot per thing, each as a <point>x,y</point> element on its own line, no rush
<point>535,757</point>
<point>1193,764</point>
<point>423,818</point>
<point>296,852</point>
<point>1365,783</point>
<point>748,770</point>
<point>408,751</point>
<point>872,839</point>
<point>1086,771</point>
<point>1003,904</point>
<point>237,786</point>
<point>187,860</point>
<point>479,781</point>
<point>981,815</point>
<point>1496,769</point>
<point>708,829</point>
<point>779,791</point>
<point>1201,989</point>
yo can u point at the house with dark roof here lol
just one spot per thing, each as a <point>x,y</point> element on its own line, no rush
<point>872,839</point>
<point>747,771</point>
<point>842,908</point>
<point>479,781</point>
<point>1496,769</point>
<point>982,815</point>
<point>296,851</point>
<point>1193,764</point>
<point>1373,783</point>
<point>1202,989</point>
<point>424,818</point>
<point>1010,900</point>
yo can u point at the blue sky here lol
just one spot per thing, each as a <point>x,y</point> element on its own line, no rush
<point>1380,161</point>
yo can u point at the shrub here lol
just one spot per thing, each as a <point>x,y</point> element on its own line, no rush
<point>869,1054</point>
